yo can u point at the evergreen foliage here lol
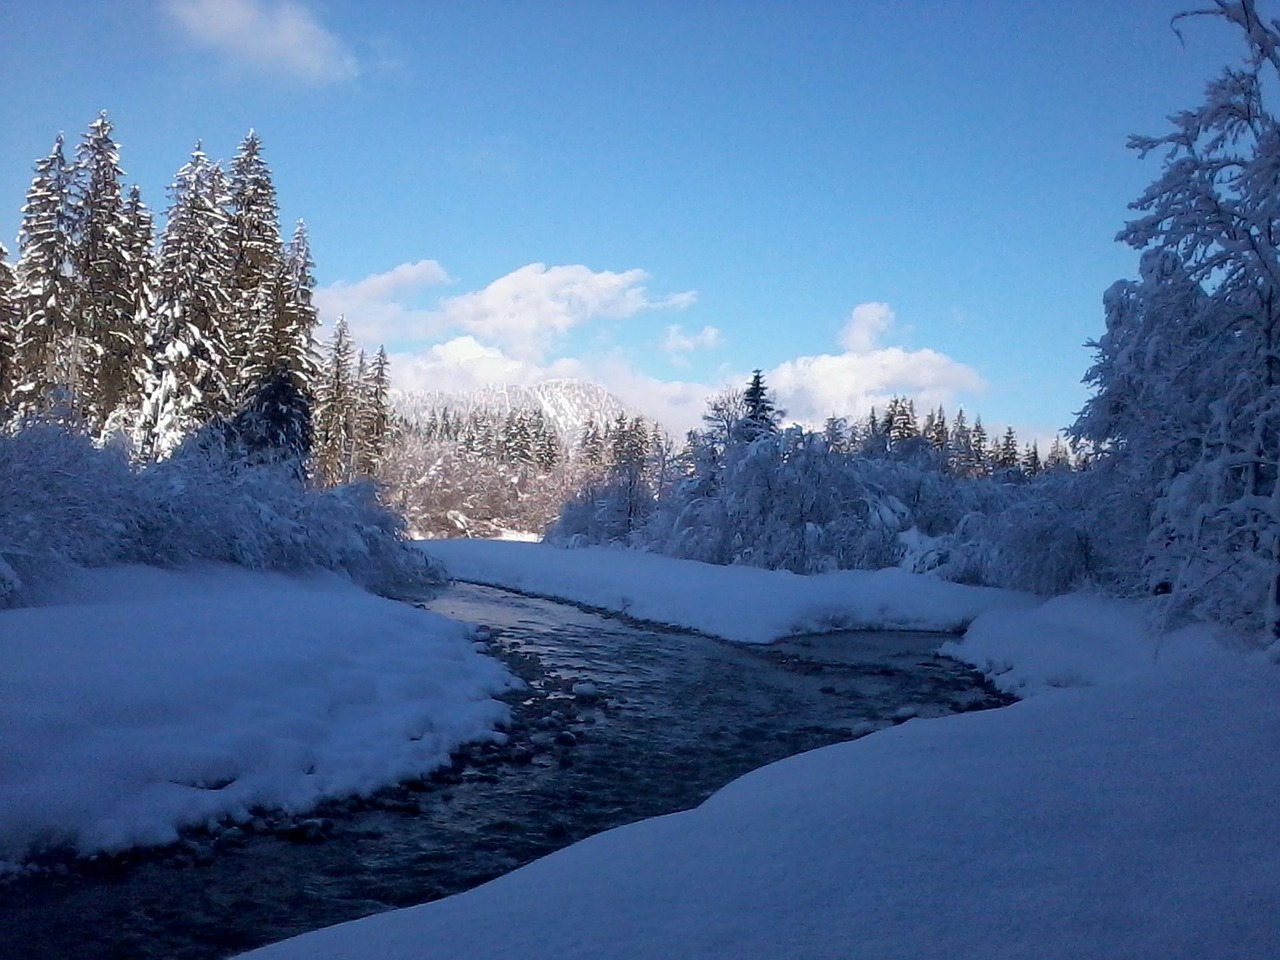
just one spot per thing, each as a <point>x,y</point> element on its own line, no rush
<point>46,292</point>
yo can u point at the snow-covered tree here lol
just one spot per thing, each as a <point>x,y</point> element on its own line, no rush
<point>8,330</point>
<point>260,331</point>
<point>374,416</point>
<point>106,352</point>
<point>191,366</point>
<point>46,287</point>
<point>760,415</point>
<point>1197,344</point>
<point>335,409</point>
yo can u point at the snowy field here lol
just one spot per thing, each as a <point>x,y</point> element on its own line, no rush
<point>137,701</point>
<point>1125,809</point>
<point>746,604</point>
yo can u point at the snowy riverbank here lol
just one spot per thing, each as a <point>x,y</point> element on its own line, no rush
<point>1125,809</point>
<point>139,701</point>
<point>745,604</point>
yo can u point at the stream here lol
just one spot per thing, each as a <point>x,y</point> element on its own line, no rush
<point>619,721</point>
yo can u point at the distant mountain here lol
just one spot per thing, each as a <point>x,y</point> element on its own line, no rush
<point>567,404</point>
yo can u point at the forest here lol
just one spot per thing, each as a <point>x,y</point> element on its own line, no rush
<point>164,398</point>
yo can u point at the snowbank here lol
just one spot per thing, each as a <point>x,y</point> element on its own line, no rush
<point>147,700</point>
<point>746,604</point>
<point>1126,811</point>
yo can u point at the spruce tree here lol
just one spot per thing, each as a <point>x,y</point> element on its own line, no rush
<point>760,415</point>
<point>374,429</point>
<point>335,410</point>
<point>8,331</point>
<point>46,287</point>
<point>109,335</point>
<point>191,364</point>
<point>1007,455</point>
<point>258,336</point>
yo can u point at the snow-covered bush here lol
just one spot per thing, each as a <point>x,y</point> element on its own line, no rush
<point>65,501</point>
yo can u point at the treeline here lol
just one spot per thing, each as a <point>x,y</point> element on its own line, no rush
<point>164,399</point>
<point>886,491</point>
<point>1180,496</point>
<point>483,472</point>
<point>143,339</point>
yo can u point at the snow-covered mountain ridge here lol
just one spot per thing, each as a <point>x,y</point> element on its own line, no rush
<point>567,404</point>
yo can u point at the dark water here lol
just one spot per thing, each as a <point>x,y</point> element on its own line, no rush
<point>619,722</point>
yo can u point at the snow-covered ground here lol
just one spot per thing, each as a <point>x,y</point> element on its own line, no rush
<point>1125,809</point>
<point>136,701</point>
<point>745,604</point>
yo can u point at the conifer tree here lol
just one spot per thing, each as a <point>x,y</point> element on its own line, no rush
<point>760,415</point>
<point>1007,455</point>
<point>289,342</point>
<point>108,336</point>
<point>900,421</point>
<point>1058,457</point>
<point>190,362</point>
<point>46,288</point>
<point>260,329</point>
<point>335,410</point>
<point>8,331</point>
<point>935,430</point>
<point>373,430</point>
<point>982,461</point>
<point>1031,464</point>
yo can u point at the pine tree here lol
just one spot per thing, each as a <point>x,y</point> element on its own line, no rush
<point>760,415</point>
<point>8,331</point>
<point>935,431</point>
<point>109,335</point>
<point>1030,463</point>
<point>982,461</point>
<point>374,428</point>
<point>1006,456</point>
<point>190,362</point>
<point>259,334</point>
<point>335,409</point>
<point>46,286</point>
<point>962,461</point>
<point>835,432</point>
<point>1058,457</point>
<point>291,345</point>
<point>900,422</point>
<point>592,446</point>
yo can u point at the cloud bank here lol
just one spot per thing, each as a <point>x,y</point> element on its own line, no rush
<point>867,375</point>
<point>513,331</point>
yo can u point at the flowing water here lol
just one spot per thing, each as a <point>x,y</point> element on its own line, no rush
<point>619,721</point>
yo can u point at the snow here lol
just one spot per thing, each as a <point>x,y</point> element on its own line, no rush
<point>746,604</point>
<point>137,701</point>
<point>1124,809</point>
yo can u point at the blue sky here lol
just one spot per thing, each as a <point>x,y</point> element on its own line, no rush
<point>861,198</point>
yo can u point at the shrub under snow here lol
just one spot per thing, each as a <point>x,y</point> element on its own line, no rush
<point>65,501</point>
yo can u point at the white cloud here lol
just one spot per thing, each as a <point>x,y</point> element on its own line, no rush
<point>811,389</point>
<point>527,310</point>
<point>867,323</point>
<point>677,342</point>
<point>865,375</point>
<point>375,306</point>
<point>406,278</point>
<point>464,363</point>
<point>279,37</point>
<point>524,312</point>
